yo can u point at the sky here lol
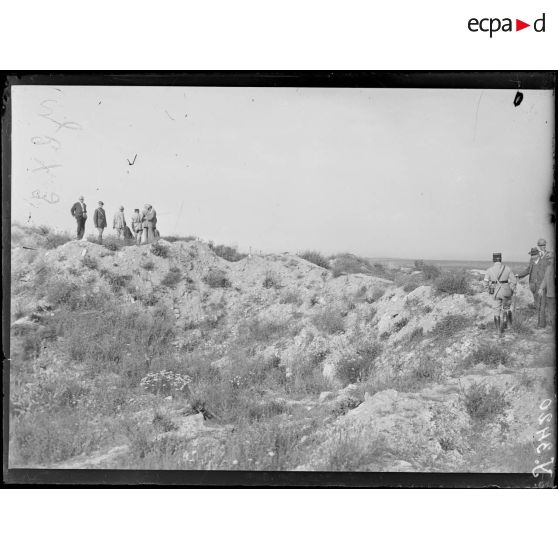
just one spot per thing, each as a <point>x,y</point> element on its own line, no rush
<point>402,173</point>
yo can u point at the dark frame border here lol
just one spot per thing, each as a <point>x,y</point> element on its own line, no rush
<point>344,79</point>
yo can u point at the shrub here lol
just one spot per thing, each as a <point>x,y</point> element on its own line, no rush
<point>112,245</point>
<point>216,278</point>
<point>449,325</point>
<point>492,355</point>
<point>148,265</point>
<point>376,294</point>
<point>165,382</point>
<point>163,422</point>
<point>172,278</point>
<point>160,250</point>
<point>419,264</point>
<point>258,329</point>
<point>399,325</point>
<point>316,258</point>
<point>291,297</point>
<point>90,262</point>
<point>53,240</point>
<point>431,272</point>
<point>416,335</point>
<point>171,238</point>
<point>457,282</point>
<point>485,404</point>
<point>271,280</point>
<point>356,366</point>
<point>348,263</point>
<point>330,320</point>
<point>116,282</point>
<point>227,253</point>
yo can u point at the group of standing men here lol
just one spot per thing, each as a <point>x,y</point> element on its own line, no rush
<point>143,224</point>
<point>502,283</point>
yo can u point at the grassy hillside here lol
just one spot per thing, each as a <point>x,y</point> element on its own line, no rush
<point>186,355</point>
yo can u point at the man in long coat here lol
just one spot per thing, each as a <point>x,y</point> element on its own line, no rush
<point>79,212</point>
<point>100,220</point>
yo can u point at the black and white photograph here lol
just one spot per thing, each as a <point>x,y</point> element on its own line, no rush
<point>311,277</point>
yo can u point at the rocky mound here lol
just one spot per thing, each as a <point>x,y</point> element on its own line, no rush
<point>168,355</point>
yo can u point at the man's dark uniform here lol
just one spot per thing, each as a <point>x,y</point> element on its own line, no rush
<point>79,211</point>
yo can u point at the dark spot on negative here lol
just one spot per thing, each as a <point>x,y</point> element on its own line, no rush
<point>518,98</point>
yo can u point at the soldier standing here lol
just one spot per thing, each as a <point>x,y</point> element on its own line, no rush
<point>501,283</point>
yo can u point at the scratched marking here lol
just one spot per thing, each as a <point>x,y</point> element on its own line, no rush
<point>44,167</point>
<point>67,124</point>
<point>46,140</point>
<point>51,197</point>
<point>134,160</point>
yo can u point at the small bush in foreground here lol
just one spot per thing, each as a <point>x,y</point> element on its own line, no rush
<point>227,253</point>
<point>456,282</point>
<point>172,278</point>
<point>171,238</point>
<point>160,250</point>
<point>492,355</point>
<point>90,262</point>
<point>316,258</point>
<point>484,403</point>
<point>330,320</point>
<point>148,265</point>
<point>165,382</point>
<point>112,245</point>
<point>271,280</point>
<point>450,325</point>
<point>217,279</point>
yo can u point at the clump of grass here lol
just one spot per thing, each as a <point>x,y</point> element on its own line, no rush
<point>90,262</point>
<point>450,325</point>
<point>148,265</point>
<point>227,252</point>
<point>453,282</point>
<point>116,282</point>
<point>345,264</point>
<point>400,324</point>
<point>485,404</point>
<point>271,280</point>
<point>356,366</point>
<point>492,355</point>
<point>53,240</point>
<point>162,422</point>
<point>330,320</point>
<point>112,245</point>
<point>173,238</point>
<point>160,250</point>
<point>291,297</point>
<point>259,329</point>
<point>431,272</point>
<point>172,278</point>
<point>416,335</point>
<point>316,258</point>
<point>216,278</point>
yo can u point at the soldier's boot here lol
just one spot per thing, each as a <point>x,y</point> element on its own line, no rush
<point>504,322</point>
<point>510,317</point>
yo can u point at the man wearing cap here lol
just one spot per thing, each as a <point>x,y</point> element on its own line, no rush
<point>100,220</point>
<point>501,283</point>
<point>533,270</point>
<point>119,222</point>
<point>79,212</point>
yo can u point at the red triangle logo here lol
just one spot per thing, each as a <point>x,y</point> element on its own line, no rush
<point>519,25</point>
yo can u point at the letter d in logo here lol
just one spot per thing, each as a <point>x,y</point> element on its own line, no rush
<point>539,24</point>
